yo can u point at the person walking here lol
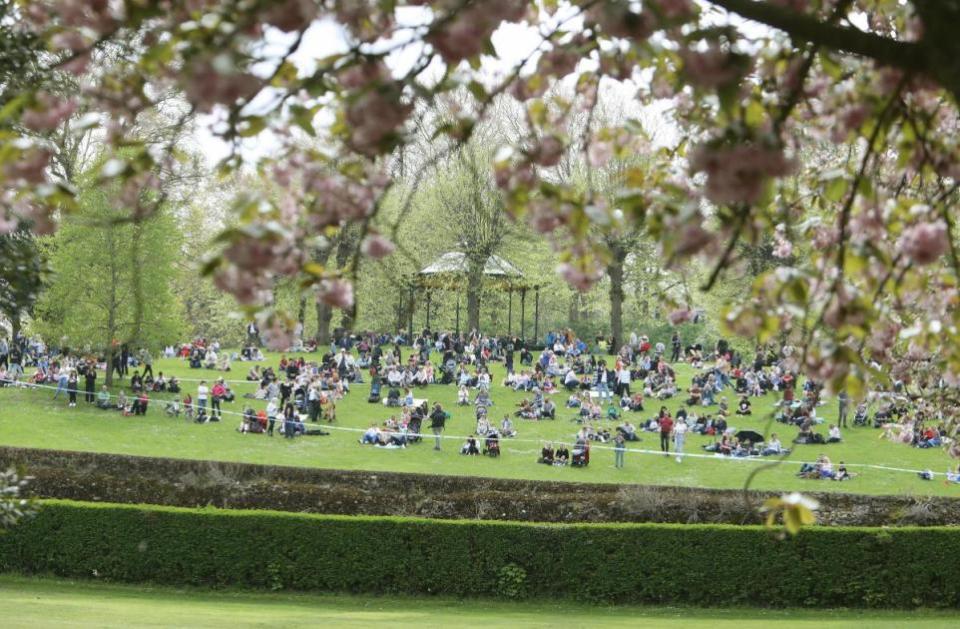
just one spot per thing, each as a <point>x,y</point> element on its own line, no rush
<point>438,419</point>
<point>4,353</point>
<point>619,448</point>
<point>844,401</point>
<point>147,361</point>
<point>679,437</point>
<point>666,428</point>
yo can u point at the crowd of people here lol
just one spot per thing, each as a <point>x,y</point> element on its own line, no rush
<point>601,392</point>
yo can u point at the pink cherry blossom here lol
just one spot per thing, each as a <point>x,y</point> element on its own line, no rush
<point>744,322</point>
<point>205,86</point>
<point>289,15</point>
<point>738,173</point>
<point>924,243</point>
<point>691,239</point>
<point>618,20</point>
<point>713,67</point>
<point>336,293</point>
<point>681,315</point>
<point>374,117</point>
<point>599,152</point>
<point>277,335</point>
<point>377,247</point>
<point>8,223</point>
<point>49,113</point>
<point>676,9</point>
<point>246,287</point>
<point>30,168</point>
<point>69,40</point>
<point>548,151</point>
<point>546,215</point>
<point>580,279</point>
<point>782,248</point>
<point>361,75</point>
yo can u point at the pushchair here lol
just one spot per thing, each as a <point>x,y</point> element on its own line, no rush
<point>580,456</point>
<point>491,445</point>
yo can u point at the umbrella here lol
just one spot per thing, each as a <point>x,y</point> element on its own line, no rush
<point>750,435</point>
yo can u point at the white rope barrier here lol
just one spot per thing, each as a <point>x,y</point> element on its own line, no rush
<point>430,435</point>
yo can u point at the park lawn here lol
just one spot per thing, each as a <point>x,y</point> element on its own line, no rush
<point>31,418</point>
<point>31,603</point>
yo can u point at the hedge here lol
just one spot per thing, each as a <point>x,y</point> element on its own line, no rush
<point>612,563</point>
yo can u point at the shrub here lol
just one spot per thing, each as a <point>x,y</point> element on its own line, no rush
<point>613,563</point>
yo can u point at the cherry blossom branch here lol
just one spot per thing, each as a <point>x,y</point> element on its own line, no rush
<point>721,264</point>
<point>904,55</point>
<point>794,96</point>
<point>855,185</point>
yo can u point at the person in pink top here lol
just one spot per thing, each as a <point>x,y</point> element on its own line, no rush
<point>217,393</point>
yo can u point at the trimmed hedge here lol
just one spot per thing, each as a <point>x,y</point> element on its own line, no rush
<point>615,563</point>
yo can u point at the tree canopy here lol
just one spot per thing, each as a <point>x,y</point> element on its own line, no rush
<point>822,129</point>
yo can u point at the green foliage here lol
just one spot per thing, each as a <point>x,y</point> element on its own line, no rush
<point>112,278</point>
<point>622,563</point>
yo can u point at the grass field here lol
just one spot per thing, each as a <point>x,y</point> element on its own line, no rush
<point>32,418</point>
<point>31,603</point>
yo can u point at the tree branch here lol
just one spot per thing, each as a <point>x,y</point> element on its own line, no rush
<point>905,55</point>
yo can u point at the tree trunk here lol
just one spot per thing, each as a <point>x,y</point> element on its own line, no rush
<point>15,326</point>
<point>573,312</point>
<point>111,352</point>
<point>615,271</point>
<point>111,308</point>
<point>345,249</point>
<point>324,315</point>
<point>474,285</point>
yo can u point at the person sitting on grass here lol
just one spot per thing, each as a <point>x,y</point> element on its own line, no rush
<point>773,446</point>
<point>842,473</point>
<point>743,408</point>
<point>470,447</point>
<point>549,410</point>
<point>546,454</point>
<point>463,396</point>
<point>506,427</point>
<point>103,399</point>
<point>561,455</point>
<point>371,436</point>
<point>629,431</point>
<point>140,404</point>
<point>833,435</point>
<point>122,403</point>
<point>172,408</point>
<point>825,467</point>
<point>250,422</point>
<point>574,401</point>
